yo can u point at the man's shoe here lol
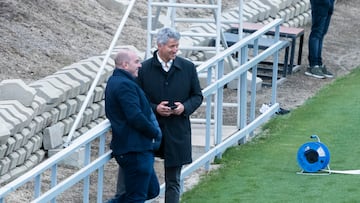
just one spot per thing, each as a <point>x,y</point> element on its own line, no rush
<point>315,71</point>
<point>326,73</point>
<point>282,111</point>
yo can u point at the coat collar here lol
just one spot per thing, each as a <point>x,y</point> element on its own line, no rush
<point>121,72</point>
<point>175,63</point>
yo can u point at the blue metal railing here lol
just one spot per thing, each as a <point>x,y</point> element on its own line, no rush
<point>217,87</point>
<point>214,89</point>
<point>83,142</point>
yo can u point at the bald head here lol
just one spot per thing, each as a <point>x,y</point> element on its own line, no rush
<point>121,57</point>
<point>128,60</point>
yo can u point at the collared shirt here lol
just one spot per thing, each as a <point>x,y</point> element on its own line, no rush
<point>165,66</point>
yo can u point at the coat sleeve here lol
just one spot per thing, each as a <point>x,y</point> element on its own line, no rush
<point>195,95</point>
<point>130,102</point>
<point>157,139</point>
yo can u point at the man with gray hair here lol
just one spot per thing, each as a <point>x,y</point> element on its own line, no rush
<point>172,86</point>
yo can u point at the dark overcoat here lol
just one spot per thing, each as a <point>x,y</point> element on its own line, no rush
<point>129,112</point>
<point>180,84</point>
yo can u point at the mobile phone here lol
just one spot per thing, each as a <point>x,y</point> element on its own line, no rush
<point>173,107</point>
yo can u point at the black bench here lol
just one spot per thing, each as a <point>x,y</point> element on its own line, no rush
<point>263,43</point>
<point>292,33</point>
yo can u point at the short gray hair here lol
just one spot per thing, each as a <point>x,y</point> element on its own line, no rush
<point>165,34</point>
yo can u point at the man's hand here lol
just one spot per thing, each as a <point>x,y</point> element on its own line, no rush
<point>164,110</point>
<point>179,109</point>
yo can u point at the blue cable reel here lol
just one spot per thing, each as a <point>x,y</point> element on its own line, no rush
<point>313,156</point>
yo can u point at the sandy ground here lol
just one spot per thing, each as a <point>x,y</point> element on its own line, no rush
<point>40,37</point>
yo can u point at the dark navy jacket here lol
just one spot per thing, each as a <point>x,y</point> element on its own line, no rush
<point>181,84</point>
<point>322,7</point>
<point>129,112</point>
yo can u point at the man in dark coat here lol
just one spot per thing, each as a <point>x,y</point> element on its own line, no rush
<point>134,130</point>
<point>172,86</point>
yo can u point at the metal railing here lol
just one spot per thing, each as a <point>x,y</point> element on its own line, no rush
<point>245,125</point>
<point>82,143</point>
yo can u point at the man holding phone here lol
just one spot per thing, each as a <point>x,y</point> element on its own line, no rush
<point>172,86</point>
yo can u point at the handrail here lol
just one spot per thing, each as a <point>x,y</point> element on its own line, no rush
<point>92,134</point>
<point>98,75</point>
<point>76,177</point>
<point>227,143</point>
<point>245,41</point>
<point>220,83</point>
<point>241,69</point>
